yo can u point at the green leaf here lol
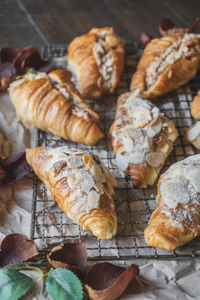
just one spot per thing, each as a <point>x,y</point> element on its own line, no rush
<point>63,284</point>
<point>13,284</point>
<point>21,266</point>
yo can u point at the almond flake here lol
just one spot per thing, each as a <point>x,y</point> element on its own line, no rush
<point>155,159</point>
<point>194,131</point>
<point>93,200</point>
<point>122,162</point>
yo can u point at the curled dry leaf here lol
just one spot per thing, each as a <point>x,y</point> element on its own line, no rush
<point>167,27</point>
<point>9,54</point>
<point>15,167</point>
<point>17,61</point>
<point>72,256</point>
<point>30,58</point>
<point>106,281</point>
<point>7,71</point>
<point>16,248</point>
<point>145,38</point>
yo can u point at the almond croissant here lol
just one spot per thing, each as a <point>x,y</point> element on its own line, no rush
<point>166,64</point>
<point>142,138</point>
<point>81,186</point>
<point>97,60</point>
<point>52,103</point>
<point>176,220</point>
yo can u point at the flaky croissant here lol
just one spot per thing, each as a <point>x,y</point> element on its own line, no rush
<point>142,138</point>
<point>52,103</point>
<point>176,220</point>
<point>195,107</point>
<point>166,64</point>
<point>81,186</point>
<point>97,60</point>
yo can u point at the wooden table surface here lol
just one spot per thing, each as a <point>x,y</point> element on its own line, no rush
<point>43,22</point>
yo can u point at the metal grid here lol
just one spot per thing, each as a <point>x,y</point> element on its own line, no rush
<point>133,206</point>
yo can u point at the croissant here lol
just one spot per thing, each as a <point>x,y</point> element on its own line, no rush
<point>166,64</point>
<point>195,107</point>
<point>52,103</point>
<point>97,60</point>
<point>81,186</point>
<point>192,135</point>
<point>142,138</point>
<point>176,220</point>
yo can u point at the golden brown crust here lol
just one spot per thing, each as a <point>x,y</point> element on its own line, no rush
<point>101,219</point>
<point>195,107</point>
<point>164,233</point>
<point>83,63</point>
<point>138,173</point>
<point>160,144</point>
<point>175,75</point>
<point>40,103</point>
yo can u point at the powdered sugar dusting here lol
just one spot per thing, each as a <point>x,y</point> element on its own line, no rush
<point>180,190</point>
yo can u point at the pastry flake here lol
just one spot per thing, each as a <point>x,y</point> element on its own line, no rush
<point>81,186</point>
<point>176,220</point>
<point>97,60</point>
<point>52,103</point>
<point>166,64</point>
<point>142,138</point>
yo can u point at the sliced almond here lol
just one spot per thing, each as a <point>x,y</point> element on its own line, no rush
<point>118,122</point>
<point>192,173</point>
<point>154,129</point>
<point>142,116</point>
<point>193,131</point>
<point>122,162</point>
<point>165,148</point>
<point>71,181</point>
<point>128,144</point>
<point>134,133</point>
<point>157,126</point>
<point>168,192</point>
<point>155,159</point>
<point>93,200</point>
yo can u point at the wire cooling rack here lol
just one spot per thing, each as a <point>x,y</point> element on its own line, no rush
<point>133,206</point>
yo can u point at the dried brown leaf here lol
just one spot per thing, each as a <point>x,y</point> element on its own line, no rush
<point>18,61</point>
<point>145,38</point>
<point>16,248</point>
<point>16,167</point>
<point>72,256</point>
<point>167,28</point>
<point>107,281</point>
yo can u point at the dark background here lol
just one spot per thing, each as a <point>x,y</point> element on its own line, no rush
<point>42,22</point>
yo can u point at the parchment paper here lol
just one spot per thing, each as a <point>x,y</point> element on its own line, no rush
<point>157,280</point>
